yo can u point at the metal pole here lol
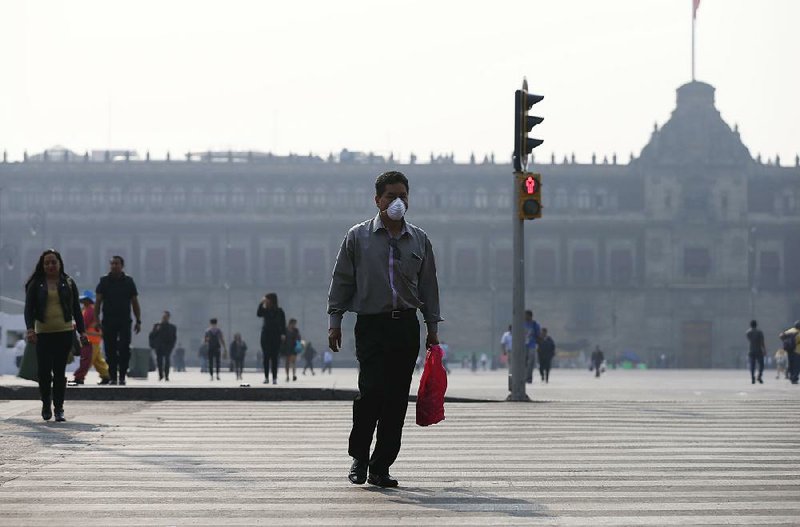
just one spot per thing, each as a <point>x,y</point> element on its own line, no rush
<point>517,375</point>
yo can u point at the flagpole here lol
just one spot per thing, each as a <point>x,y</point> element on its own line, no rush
<point>694,19</point>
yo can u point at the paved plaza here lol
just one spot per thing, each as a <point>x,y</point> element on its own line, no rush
<point>631,448</point>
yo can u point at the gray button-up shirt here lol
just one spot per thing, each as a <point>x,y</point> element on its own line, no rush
<point>371,277</point>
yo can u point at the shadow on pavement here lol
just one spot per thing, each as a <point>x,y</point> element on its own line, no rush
<point>457,499</point>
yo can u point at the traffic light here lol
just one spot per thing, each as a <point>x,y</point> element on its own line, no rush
<point>530,195</point>
<point>524,123</point>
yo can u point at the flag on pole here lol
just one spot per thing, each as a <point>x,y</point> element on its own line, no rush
<point>695,6</point>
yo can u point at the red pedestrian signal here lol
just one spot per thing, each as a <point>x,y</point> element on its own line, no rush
<point>529,205</point>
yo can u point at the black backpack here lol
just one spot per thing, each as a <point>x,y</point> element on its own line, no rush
<point>213,339</point>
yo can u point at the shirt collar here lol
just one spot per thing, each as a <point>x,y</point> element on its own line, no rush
<point>377,224</point>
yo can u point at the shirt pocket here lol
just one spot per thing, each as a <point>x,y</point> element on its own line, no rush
<point>411,267</point>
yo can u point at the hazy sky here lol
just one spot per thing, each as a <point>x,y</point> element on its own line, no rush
<point>387,76</point>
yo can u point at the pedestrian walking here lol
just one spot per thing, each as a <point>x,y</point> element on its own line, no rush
<point>94,334</point>
<point>384,272</point>
<point>217,350</point>
<point>757,351</point>
<point>546,351</point>
<point>532,335</point>
<point>293,346</point>
<point>791,339</point>
<point>162,341</point>
<point>597,361</point>
<point>484,361</point>
<point>308,356</point>
<point>505,347</point>
<point>51,309</point>
<point>273,334</point>
<point>116,296</point>
<point>473,362</point>
<point>781,363</point>
<point>180,358</point>
<point>238,351</point>
<point>327,361</point>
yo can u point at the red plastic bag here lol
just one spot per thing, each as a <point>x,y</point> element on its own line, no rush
<point>432,386</point>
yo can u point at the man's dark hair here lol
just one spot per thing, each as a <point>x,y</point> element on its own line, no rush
<point>389,178</point>
<point>529,313</point>
<point>212,321</point>
<point>168,313</point>
<point>120,258</point>
<point>753,323</point>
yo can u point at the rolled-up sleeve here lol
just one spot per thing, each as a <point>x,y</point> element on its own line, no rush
<point>429,289</point>
<point>343,282</point>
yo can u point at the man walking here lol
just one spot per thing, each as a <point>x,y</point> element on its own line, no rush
<point>789,339</point>
<point>216,345</point>
<point>384,272</point>
<point>546,351</point>
<point>162,340</point>
<point>116,296</point>
<point>757,351</point>
<point>597,360</point>
<point>532,335</point>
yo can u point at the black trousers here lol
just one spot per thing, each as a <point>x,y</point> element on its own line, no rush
<point>214,356</point>
<point>238,367</point>
<point>52,350</point>
<point>386,350</point>
<point>544,368</point>
<point>162,358</point>
<point>794,366</point>
<point>117,343</point>
<point>756,358</point>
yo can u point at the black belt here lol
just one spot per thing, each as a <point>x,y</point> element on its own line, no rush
<point>397,314</point>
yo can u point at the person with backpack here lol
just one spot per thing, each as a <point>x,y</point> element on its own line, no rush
<point>238,351</point>
<point>216,343</point>
<point>790,338</point>
<point>757,351</point>
<point>293,346</point>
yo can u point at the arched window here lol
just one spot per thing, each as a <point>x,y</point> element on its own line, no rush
<point>481,198</point>
<point>584,199</point>
<point>562,199</point>
<point>301,196</point>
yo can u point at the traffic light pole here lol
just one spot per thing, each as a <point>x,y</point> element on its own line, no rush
<point>518,351</point>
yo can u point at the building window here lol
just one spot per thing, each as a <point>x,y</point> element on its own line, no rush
<point>481,199</point>
<point>194,266</point>
<point>503,269</point>
<point>301,197</point>
<point>584,199</point>
<point>621,267</point>
<point>770,269</point>
<point>235,266</point>
<point>583,266</point>
<point>696,262</point>
<point>466,266</point>
<point>314,265</point>
<point>76,261</point>
<point>155,266</point>
<point>562,200</point>
<point>238,197</point>
<point>545,271</point>
<point>275,265</point>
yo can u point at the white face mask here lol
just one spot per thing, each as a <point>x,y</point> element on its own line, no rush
<point>396,210</point>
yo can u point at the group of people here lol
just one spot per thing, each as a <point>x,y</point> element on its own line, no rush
<point>385,272</point>
<point>787,358</point>
<point>538,345</point>
<point>60,322</point>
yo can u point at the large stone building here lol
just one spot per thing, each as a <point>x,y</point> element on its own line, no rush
<point>672,253</point>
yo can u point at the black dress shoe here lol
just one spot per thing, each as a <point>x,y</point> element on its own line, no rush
<point>60,415</point>
<point>104,381</point>
<point>47,413</point>
<point>358,472</point>
<point>382,480</point>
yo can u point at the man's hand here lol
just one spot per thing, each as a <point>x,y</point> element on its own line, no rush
<point>335,339</point>
<point>137,327</point>
<point>431,340</point>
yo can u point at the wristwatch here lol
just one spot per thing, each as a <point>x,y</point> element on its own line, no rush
<point>138,322</point>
